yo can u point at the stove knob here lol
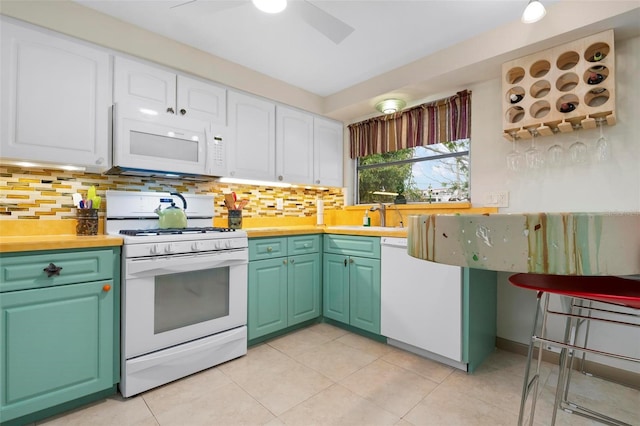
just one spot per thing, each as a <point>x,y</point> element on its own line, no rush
<point>168,248</point>
<point>227,244</point>
<point>218,245</point>
<point>196,246</point>
<point>154,249</point>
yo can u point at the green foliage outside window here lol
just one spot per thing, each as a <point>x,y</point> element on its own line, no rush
<point>434,173</point>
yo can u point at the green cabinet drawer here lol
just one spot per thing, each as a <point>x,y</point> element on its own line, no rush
<point>267,248</point>
<point>352,245</point>
<point>303,244</point>
<point>27,271</point>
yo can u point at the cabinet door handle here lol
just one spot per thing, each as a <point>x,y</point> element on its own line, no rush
<point>284,262</point>
<point>106,287</point>
<point>293,260</point>
<point>345,262</point>
<point>183,111</point>
<point>170,110</point>
<point>350,260</point>
<point>52,270</point>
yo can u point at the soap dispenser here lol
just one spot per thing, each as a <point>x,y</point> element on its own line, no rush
<point>366,220</point>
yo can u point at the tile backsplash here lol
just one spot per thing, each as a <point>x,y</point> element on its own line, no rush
<point>45,194</point>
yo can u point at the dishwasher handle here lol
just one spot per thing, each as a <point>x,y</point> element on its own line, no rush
<point>393,242</point>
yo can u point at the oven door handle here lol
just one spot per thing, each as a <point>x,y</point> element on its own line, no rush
<point>137,268</point>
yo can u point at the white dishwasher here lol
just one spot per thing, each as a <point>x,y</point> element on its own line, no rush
<point>421,304</point>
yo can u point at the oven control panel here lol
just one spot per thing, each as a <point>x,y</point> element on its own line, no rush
<point>181,247</point>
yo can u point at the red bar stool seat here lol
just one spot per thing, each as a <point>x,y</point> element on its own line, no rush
<point>619,300</point>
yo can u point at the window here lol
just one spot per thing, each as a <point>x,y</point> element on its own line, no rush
<point>433,173</point>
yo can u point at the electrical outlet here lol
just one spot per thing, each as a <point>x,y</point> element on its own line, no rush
<point>279,204</point>
<point>497,199</point>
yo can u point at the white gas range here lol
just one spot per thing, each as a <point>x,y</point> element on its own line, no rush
<point>184,291</point>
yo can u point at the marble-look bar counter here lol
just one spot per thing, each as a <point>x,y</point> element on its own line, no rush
<point>545,243</point>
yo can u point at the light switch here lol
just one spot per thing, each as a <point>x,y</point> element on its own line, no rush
<point>279,204</point>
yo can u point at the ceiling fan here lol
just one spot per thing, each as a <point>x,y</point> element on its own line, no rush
<point>327,24</point>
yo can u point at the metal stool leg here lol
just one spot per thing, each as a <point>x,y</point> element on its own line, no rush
<point>566,360</point>
<point>532,384</point>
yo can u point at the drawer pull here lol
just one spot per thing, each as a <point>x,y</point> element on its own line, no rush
<point>269,249</point>
<point>106,287</point>
<point>52,270</point>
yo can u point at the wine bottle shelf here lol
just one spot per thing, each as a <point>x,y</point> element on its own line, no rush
<point>559,88</point>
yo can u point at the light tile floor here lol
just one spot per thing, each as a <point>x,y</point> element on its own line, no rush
<point>323,375</point>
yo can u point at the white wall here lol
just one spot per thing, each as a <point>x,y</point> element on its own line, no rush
<point>612,186</point>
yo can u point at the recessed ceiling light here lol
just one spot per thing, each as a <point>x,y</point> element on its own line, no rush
<point>534,12</point>
<point>270,6</point>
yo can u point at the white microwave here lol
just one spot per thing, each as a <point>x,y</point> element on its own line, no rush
<point>148,143</point>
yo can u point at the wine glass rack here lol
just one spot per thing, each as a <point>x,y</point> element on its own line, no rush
<point>557,89</point>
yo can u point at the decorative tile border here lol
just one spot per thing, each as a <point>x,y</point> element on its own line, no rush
<point>46,194</point>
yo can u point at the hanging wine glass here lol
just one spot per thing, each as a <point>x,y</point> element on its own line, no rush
<point>514,158</point>
<point>533,156</point>
<point>603,150</point>
<point>578,150</point>
<point>555,155</point>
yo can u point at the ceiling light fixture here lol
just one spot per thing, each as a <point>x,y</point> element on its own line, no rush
<point>270,6</point>
<point>534,12</point>
<point>389,106</point>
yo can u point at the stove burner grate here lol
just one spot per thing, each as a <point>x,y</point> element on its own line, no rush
<point>169,231</point>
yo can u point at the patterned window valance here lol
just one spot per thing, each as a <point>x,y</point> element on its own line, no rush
<point>440,121</point>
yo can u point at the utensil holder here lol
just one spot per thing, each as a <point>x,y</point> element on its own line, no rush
<point>235,219</point>
<point>87,222</point>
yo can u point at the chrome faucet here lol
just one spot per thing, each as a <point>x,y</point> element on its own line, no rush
<point>382,209</point>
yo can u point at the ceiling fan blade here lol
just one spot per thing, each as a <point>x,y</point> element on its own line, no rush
<point>327,24</point>
<point>209,6</point>
<point>181,4</point>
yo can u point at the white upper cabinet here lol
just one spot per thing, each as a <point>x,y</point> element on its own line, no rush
<point>251,151</point>
<point>201,100</point>
<point>328,152</point>
<point>165,92</point>
<point>55,98</point>
<point>294,146</point>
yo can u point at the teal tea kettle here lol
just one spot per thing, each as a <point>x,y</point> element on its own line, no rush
<point>172,216</point>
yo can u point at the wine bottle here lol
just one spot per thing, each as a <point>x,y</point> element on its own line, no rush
<point>595,78</point>
<point>515,98</point>
<point>598,56</point>
<point>567,107</point>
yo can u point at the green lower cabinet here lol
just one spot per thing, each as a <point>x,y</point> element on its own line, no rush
<point>303,282</point>
<point>57,346</point>
<point>283,290</point>
<point>267,297</point>
<point>335,286</point>
<point>364,286</point>
<point>351,284</point>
